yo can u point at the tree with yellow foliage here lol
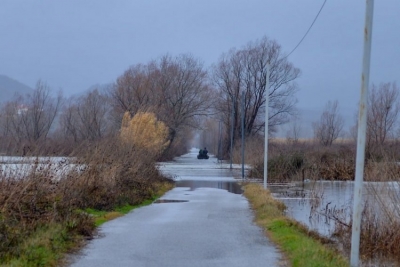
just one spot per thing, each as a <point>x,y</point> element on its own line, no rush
<point>145,131</point>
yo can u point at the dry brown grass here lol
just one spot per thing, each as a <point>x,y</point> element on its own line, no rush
<point>106,175</point>
<point>380,234</point>
<point>380,226</point>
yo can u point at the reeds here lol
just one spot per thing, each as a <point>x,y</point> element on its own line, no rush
<point>380,224</point>
<point>380,228</point>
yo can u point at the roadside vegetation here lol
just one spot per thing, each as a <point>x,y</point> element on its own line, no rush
<point>50,208</point>
<point>301,247</point>
<point>42,217</point>
<point>308,161</point>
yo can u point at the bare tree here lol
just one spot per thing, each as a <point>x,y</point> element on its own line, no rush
<point>330,125</point>
<point>294,132</point>
<point>86,118</point>
<point>182,92</point>
<point>7,120</point>
<point>32,117</point>
<point>9,126</point>
<point>174,88</point>
<point>383,112</point>
<point>42,110</point>
<point>133,91</point>
<point>245,71</point>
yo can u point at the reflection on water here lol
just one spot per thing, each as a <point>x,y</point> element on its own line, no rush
<point>169,201</point>
<point>231,187</point>
<point>321,204</point>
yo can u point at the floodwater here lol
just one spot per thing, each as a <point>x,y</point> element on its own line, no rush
<point>189,172</point>
<point>20,167</point>
<point>203,221</point>
<point>316,204</point>
<point>312,203</point>
<point>231,187</point>
<point>320,204</point>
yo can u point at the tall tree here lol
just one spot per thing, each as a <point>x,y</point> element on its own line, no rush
<point>383,112</point>
<point>133,91</point>
<point>86,118</point>
<point>330,125</point>
<point>173,88</point>
<point>245,71</point>
<point>30,118</point>
<point>183,92</point>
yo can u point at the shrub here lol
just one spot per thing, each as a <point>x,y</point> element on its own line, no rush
<point>281,167</point>
<point>145,132</point>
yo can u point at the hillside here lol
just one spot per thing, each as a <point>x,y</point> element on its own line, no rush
<point>10,87</point>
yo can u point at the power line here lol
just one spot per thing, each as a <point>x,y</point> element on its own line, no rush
<point>312,24</point>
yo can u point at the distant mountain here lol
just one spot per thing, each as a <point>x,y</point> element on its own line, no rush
<point>10,87</point>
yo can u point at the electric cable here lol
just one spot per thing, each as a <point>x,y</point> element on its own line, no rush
<point>312,24</point>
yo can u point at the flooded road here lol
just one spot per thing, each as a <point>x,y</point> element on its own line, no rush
<point>231,187</point>
<point>204,221</point>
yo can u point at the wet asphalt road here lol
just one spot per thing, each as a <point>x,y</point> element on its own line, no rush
<point>213,228</point>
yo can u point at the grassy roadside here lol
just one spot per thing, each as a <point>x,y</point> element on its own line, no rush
<point>301,247</point>
<point>48,245</point>
<point>101,217</point>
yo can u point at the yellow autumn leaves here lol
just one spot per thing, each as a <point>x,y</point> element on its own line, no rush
<point>145,131</point>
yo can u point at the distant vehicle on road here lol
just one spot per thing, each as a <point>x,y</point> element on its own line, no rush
<point>203,154</point>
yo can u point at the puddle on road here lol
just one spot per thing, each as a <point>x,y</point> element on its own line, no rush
<point>231,187</point>
<point>169,201</point>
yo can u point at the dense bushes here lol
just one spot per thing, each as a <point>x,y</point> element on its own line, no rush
<point>287,162</point>
<point>281,167</point>
<point>103,176</point>
<point>308,160</point>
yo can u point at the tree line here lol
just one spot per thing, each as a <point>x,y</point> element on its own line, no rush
<point>186,96</point>
<point>179,90</point>
<point>382,118</point>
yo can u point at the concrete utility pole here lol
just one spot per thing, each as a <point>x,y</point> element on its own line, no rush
<point>266,128</point>
<point>242,119</point>
<point>232,122</point>
<point>219,140</point>
<point>361,136</point>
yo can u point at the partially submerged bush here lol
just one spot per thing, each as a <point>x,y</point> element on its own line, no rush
<point>380,233</point>
<point>306,161</point>
<point>281,167</point>
<point>332,163</point>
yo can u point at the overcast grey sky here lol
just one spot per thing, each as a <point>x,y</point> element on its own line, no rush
<point>75,44</point>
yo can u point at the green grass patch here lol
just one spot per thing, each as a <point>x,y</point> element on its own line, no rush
<point>45,247</point>
<point>48,245</point>
<point>300,246</point>
<point>101,217</point>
